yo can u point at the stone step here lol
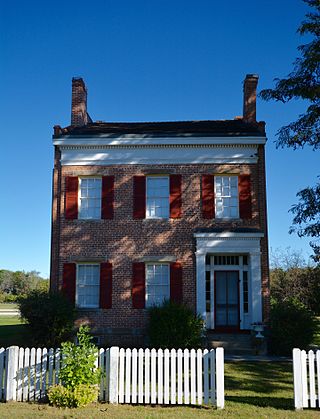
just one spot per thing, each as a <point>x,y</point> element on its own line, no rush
<point>232,343</point>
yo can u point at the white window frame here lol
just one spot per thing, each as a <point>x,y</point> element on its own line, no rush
<point>77,285</point>
<point>158,177</point>
<point>148,304</point>
<point>225,197</point>
<point>81,178</point>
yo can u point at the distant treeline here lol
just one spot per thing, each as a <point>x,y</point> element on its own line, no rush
<point>16,284</point>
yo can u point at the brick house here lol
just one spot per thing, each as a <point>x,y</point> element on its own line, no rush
<point>149,211</point>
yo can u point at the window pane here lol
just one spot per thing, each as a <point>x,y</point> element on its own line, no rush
<point>88,284</point>
<point>157,197</point>
<point>226,197</point>
<point>157,284</point>
<point>90,198</point>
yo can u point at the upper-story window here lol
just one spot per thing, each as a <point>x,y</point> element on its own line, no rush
<point>157,198</point>
<point>157,284</point>
<point>226,196</point>
<point>88,286</point>
<point>89,198</point>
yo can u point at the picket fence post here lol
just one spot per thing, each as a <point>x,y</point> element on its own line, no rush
<point>220,377</point>
<point>10,387</point>
<point>114,374</point>
<point>297,379</point>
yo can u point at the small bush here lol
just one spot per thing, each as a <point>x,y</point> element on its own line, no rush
<point>78,373</point>
<point>174,325</point>
<point>292,325</point>
<point>78,365</point>
<point>50,317</point>
<point>81,396</point>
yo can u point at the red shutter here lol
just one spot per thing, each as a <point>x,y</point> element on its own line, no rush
<point>175,196</point>
<point>107,197</point>
<point>69,281</point>
<point>106,285</point>
<point>71,207</point>
<point>207,189</point>
<point>138,285</point>
<point>139,197</point>
<point>176,282</point>
<point>245,205</point>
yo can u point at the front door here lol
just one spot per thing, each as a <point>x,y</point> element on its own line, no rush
<point>227,300</point>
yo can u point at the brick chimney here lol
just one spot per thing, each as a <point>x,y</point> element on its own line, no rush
<point>250,97</point>
<point>79,116</point>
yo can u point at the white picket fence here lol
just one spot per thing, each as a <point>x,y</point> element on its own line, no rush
<point>306,378</point>
<point>129,375</point>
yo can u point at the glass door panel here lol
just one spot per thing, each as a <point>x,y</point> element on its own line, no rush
<point>227,299</point>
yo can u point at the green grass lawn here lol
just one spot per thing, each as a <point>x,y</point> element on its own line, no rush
<point>253,390</point>
<point>13,332</point>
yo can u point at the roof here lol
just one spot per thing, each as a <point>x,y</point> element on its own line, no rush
<point>219,128</point>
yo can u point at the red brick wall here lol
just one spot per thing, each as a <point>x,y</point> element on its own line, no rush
<point>124,240</point>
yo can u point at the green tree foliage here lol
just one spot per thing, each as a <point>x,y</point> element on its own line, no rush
<point>78,374</point>
<point>292,279</point>
<point>14,284</point>
<point>50,317</point>
<point>301,284</point>
<point>304,83</point>
<point>292,326</point>
<point>174,326</point>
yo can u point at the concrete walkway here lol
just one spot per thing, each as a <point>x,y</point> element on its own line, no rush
<point>256,358</point>
<point>9,312</point>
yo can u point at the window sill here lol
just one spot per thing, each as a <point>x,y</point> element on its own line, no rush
<point>85,220</point>
<point>157,219</point>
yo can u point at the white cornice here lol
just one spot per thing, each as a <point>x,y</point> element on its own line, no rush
<point>225,235</point>
<point>130,140</point>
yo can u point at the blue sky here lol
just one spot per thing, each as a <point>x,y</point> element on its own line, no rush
<point>150,60</point>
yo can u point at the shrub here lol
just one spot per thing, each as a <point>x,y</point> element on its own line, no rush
<point>81,396</point>
<point>291,325</point>
<point>79,361</point>
<point>174,325</point>
<point>50,317</point>
<point>78,373</point>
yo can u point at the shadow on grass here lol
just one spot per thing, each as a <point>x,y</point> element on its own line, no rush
<point>283,403</point>
<point>17,334</point>
<point>261,384</point>
<point>259,377</point>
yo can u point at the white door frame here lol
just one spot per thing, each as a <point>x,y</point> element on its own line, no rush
<point>231,243</point>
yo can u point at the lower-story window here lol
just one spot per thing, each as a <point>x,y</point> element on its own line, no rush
<point>88,284</point>
<point>157,284</point>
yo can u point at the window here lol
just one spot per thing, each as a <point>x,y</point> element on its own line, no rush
<point>89,198</point>
<point>157,284</point>
<point>226,197</point>
<point>157,197</point>
<point>245,292</point>
<point>88,284</point>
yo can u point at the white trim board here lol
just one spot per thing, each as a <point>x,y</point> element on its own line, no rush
<point>158,155</point>
<point>131,140</point>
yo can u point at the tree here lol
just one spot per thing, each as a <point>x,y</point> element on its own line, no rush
<point>304,83</point>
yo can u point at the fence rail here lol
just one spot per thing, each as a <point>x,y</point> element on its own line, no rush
<point>306,378</point>
<point>129,375</point>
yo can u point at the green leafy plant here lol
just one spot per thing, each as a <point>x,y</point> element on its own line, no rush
<point>291,325</point>
<point>81,396</point>
<point>79,360</point>
<point>174,325</point>
<point>50,317</point>
<point>78,374</point>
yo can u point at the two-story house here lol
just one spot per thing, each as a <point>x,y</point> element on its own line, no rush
<point>148,211</point>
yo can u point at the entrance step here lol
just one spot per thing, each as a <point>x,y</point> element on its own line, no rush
<point>237,344</point>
